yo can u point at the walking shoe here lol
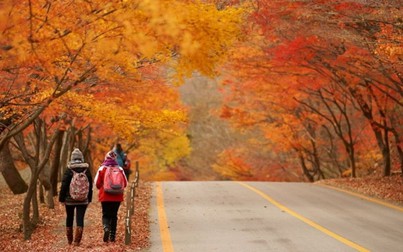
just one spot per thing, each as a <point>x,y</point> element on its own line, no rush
<point>69,234</point>
<point>106,234</point>
<point>78,236</point>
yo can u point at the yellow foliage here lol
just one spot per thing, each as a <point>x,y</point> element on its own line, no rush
<point>176,148</point>
<point>69,42</point>
<point>159,132</point>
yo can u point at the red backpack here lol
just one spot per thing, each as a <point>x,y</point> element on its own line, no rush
<point>79,186</point>
<point>114,180</point>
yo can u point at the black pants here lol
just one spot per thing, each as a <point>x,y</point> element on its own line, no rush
<point>110,212</point>
<point>80,213</point>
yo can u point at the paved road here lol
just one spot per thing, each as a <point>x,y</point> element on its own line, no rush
<point>269,216</point>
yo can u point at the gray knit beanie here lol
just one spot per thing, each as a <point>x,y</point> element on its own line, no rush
<point>77,156</point>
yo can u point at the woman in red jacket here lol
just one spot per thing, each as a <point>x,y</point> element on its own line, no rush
<point>108,172</point>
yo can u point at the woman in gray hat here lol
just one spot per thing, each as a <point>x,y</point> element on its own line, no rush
<point>76,194</point>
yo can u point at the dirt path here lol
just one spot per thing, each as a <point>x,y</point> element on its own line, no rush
<point>50,233</point>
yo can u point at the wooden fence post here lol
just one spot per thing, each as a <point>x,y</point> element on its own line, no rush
<point>130,197</point>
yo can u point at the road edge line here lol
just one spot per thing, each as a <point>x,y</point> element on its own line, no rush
<point>163,221</point>
<point>368,198</point>
<point>306,220</point>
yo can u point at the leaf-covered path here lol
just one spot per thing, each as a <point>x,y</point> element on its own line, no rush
<point>50,233</point>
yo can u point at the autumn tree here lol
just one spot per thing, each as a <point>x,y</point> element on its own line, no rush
<point>45,54</point>
<point>97,42</point>
<point>302,49</point>
<point>54,53</point>
<point>359,69</point>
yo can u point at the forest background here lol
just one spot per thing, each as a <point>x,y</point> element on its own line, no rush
<point>200,90</point>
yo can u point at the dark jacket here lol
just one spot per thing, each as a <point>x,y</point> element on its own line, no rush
<point>121,157</point>
<point>64,194</point>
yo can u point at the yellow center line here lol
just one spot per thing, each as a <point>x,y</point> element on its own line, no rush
<point>163,222</point>
<point>307,221</point>
<point>380,202</point>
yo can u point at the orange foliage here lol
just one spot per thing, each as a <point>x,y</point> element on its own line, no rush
<point>231,166</point>
<point>111,64</point>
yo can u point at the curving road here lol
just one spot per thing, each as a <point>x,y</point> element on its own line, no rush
<point>269,216</point>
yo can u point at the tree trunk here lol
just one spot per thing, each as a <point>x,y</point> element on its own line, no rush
<point>50,200</point>
<point>332,152</point>
<point>387,168</point>
<point>304,168</point>
<point>367,112</point>
<point>351,155</point>
<point>400,151</point>
<point>27,225</point>
<point>26,222</point>
<point>35,207</point>
<point>41,193</point>
<point>316,161</point>
<point>64,153</point>
<point>56,162</point>
<point>48,195</point>
<point>10,173</point>
<point>396,129</point>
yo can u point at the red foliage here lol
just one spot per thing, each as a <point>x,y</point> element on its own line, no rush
<point>226,112</point>
<point>348,6</point>
<point>297,49</point>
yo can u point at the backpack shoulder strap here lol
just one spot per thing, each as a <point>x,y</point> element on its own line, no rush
<point>78,172</point>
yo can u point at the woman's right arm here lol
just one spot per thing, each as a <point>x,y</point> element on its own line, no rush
<point>98,181</point>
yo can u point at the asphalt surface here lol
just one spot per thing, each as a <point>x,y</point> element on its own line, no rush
<point>269,216</point>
